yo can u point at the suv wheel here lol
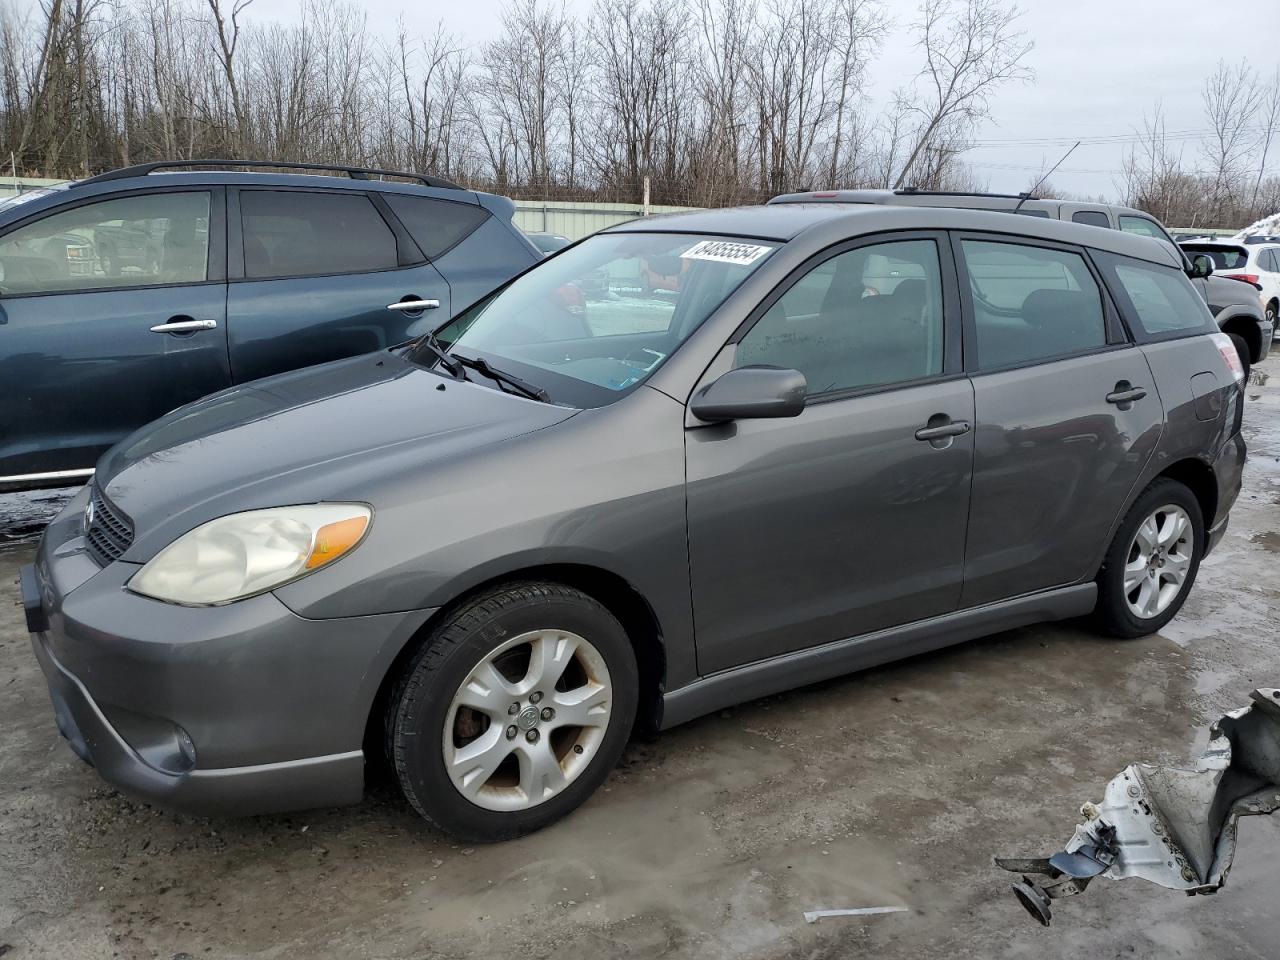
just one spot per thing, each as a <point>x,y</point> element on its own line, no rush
<point>1152,562</point>
<point>513,712</point>
<point>1271,317</point>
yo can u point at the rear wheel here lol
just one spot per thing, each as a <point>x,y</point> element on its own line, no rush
<point>1242,348</point>
<point>513,712</point>
<point>1271,317</point>
<point>1152,562</point>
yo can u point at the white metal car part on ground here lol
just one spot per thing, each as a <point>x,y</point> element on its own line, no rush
<point>1173,827</point>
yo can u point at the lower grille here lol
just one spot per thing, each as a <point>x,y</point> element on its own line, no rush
<point>108,532</point>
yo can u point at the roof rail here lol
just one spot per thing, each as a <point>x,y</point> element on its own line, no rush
<point>913,192</point>
<point>355,173</point>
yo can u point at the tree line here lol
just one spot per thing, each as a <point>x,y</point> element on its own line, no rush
<point>714,101</point>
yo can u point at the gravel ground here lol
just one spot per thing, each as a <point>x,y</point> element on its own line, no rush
<point>891,787</point>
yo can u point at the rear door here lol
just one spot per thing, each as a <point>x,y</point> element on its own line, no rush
<point>112,313</point>
<point>1067,415</point>
<point>316,275</point>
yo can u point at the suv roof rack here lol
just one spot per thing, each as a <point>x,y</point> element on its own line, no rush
<point>355,173</point>
<point>913,192</point>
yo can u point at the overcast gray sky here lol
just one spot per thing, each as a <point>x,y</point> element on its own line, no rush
<point>1099,65</point>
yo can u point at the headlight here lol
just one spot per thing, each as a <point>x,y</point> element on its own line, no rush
<point>246,553</point>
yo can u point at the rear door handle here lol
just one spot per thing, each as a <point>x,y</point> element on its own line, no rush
<point>956,428</point>
<point>184,326</point>
<point>1126,396</point>
<point>414,306</point>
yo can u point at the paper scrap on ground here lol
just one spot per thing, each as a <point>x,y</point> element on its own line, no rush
<point>813,916</point>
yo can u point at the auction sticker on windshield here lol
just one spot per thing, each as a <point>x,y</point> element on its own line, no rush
<point>725,251</point>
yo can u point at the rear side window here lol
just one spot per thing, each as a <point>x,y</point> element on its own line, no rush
<point>1271,261</point>
<point>1142,227</point>
<point>1094,218</point>
<point>436,225</point>
<point>300,234</point>
<point>1031,304</point>
<point>1160,299</point>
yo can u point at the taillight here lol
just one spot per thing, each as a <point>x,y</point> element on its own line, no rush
<point>1246,277</point>
<point>1229,355</point>
<point>825,194</point>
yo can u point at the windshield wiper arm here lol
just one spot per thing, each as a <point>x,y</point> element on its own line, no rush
<point>450,363</point>
<point>483,366</point>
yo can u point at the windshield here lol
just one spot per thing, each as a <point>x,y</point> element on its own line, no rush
<point>599,318</point>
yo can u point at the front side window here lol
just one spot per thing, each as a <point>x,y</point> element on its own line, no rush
<point>133,241</point>
<point>301,234</point>
<point>866,317</point>
<point>598,319</point>
<point>1161,299</point>
<point>1031,304</point>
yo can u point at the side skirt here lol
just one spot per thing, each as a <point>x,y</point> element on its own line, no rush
<point>802,667</point>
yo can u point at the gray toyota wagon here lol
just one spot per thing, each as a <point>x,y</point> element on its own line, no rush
<point>687,462</point>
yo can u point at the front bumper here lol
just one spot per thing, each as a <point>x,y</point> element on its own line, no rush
<point>234,710</point>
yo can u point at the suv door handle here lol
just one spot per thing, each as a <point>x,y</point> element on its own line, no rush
<point>413,306</point>
<point>956,428</point>
<point>184,326</point>
<point>1127,395</point>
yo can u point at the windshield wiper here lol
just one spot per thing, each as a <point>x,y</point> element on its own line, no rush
<point>450,363</point>
<point>501,377</point>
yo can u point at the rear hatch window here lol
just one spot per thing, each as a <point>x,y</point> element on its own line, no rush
<point>1224,258</point>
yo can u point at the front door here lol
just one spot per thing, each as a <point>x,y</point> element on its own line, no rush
<point>320,275</point>
<point>848,518</point>
<point>1067,416</point>
<point>112,313</point>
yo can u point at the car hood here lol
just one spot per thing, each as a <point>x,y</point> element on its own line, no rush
<point>322,433</point>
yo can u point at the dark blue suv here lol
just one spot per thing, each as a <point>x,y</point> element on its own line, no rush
<point>129,294</point>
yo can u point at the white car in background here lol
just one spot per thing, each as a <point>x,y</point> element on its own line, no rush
<point>1255,263</point>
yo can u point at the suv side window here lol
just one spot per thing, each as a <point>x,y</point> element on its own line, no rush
<point>1142,227</point>
<point>1031,304</point>
<point>1161,299</point>
<point>436,225</point>
<point>135,241</point>
<point>298,234</point>
<point>1094,218</point>
<point>866,317</point>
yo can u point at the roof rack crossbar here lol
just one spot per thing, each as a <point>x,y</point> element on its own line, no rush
<point>355,173</point>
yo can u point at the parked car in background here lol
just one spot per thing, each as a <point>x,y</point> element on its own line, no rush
<point>1238,314</point>
<point>587,504</point>
<point>1256,264</point>
<point>129,294</point>
<point>548,243</point>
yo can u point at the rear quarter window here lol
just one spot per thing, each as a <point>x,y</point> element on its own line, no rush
<point>436,225</point>
<point>1159,302</point>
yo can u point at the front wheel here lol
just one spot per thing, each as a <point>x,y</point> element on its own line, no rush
<point>513,712</point>
<point>1152,562</point>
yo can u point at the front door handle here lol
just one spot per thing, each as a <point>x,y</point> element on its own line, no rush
<point>414,306</point>
<point>1125,394</point>
<point>954,428</point>
<point>184,326</point>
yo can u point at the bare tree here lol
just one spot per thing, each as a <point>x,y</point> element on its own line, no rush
<point>228,39</point>
<point>971,48</point>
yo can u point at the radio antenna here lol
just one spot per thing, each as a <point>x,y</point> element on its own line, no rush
<point>1027,195</point>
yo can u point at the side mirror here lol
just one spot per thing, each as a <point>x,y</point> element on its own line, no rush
<point>750,393</point>
<point>1201,266</point>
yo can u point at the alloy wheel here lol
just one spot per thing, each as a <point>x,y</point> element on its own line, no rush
<point>528,720</point>
<point>1158,562</point>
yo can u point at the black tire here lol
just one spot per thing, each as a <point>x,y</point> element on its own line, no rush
<point>1273,316</point>
<point>1242,348</point>
<point>1112,612</point>
<point>420,702</point>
